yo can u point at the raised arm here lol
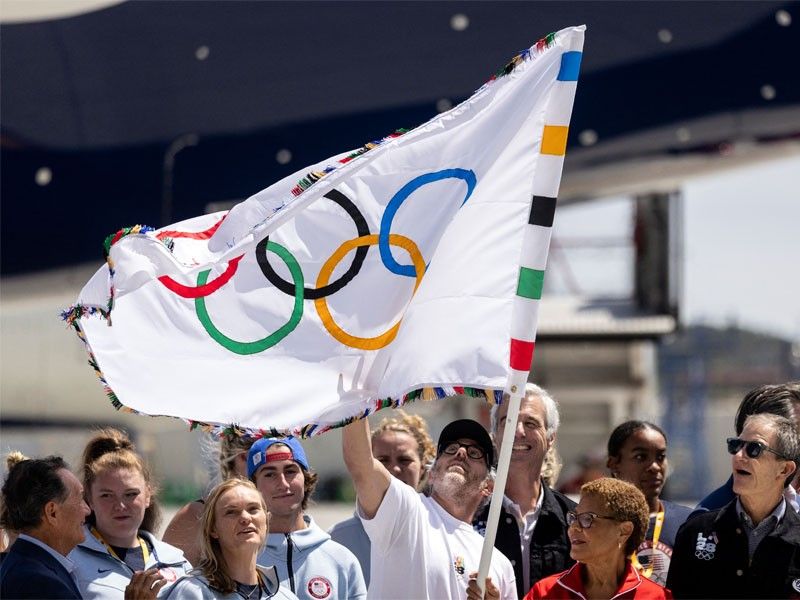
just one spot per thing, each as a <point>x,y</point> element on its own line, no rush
<point>370,477</point>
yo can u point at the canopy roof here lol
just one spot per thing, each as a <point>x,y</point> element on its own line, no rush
<point>98,100</point>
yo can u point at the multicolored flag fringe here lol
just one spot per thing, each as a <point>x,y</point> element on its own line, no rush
<point>410,268</point>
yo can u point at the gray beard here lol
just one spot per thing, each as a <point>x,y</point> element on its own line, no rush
<point>457,487</point>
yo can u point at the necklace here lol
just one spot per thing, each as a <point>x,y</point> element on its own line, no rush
<point>246,591</point>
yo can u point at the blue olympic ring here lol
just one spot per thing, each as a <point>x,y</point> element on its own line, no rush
<point>404,192</point>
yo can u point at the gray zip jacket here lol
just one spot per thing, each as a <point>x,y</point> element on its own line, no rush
<point>102,576</point>
<point>196,587</point>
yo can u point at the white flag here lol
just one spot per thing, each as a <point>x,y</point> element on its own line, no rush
<point>411,267</point>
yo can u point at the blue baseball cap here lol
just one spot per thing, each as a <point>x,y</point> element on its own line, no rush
<point>257,456</point>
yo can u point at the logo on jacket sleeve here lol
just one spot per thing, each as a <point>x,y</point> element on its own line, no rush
<point>319,587</point>
<point>706,546</point>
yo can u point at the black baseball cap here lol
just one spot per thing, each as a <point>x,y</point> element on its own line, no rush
<point>469,430</point>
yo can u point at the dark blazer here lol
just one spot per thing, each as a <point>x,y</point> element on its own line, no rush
<point>28,571</point>
<point>549,545</point>
<point>710,558</point>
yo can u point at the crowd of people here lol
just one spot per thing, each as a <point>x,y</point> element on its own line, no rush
<point>420,515</point>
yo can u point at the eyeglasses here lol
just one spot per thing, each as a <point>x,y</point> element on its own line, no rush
<point>584,520</point>
<point>474,452</point>
<point>752,448</point>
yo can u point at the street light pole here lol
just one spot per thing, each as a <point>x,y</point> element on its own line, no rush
<point>178,144</point>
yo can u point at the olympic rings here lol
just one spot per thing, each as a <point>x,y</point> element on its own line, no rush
<point>201,291</point>
<point>362,228</point>
<point>272,339</point>
<point>325,272</point>
<point>404,192</point>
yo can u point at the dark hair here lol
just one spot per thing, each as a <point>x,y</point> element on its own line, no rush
<point>625,430</point>
<point>111,448</point>
<point>782,399</point>
<point>30,485</point>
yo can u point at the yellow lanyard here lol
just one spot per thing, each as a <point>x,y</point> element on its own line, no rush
<point>647,571</point>
<point>142,545</point>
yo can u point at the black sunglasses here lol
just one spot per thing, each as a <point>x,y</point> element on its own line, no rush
<point>752,448</point>
<point>584,519</point>
<point>474,452</point>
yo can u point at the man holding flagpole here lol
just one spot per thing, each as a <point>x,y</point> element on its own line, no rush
<point>425,547</point>
<point>532,529</point>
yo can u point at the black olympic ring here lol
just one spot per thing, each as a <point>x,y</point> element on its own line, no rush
<point>287,287</point>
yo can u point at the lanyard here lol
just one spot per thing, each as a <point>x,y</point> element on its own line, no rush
<point>647,571</point>
<point>142,545</point>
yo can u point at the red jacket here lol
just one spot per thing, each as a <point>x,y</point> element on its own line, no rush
<point>569,584</point>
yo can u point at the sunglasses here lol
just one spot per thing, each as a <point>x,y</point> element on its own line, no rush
<point>474,452</point>
<point>752,448</point>
<point>584,520</point>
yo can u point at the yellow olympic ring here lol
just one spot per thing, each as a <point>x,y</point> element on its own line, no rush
<point>326,271</point>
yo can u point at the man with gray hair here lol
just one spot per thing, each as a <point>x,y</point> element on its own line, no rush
<point>751,547</point>
<point>43,501</point>
<point>532,531</point>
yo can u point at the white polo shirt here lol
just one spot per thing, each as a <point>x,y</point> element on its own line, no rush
<point>419,550</point>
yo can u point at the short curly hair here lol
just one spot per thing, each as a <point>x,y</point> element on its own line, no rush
<point>413,425</point>
<point>625,502</point>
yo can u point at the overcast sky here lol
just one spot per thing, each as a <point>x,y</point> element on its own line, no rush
<point>742,248</point>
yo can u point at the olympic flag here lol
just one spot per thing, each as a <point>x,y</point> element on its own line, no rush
<point>409,268</point>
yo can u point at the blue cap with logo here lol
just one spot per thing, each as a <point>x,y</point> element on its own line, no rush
<point>257,456</point>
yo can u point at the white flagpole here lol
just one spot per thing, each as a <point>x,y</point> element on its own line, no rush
<point>517,391</point>
<point>533,260</point>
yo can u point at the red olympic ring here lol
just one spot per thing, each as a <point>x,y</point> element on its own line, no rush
<point>195,235</point>
<point>201,291</point>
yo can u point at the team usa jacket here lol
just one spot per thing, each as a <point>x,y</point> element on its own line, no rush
<point>102,576</point>
<point>710,558</point>
<point>313,566</point>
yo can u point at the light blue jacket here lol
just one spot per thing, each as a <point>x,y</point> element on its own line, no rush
<point>102,576</point>
<point>196,587</point>
<point>313,566</point>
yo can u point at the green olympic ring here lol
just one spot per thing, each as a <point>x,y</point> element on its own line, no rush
<point>272,339</point>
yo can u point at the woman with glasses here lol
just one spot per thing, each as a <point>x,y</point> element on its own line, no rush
<point>637,453</point>
<point>605,528</point>
<point>119,542</point>
<point>233,530</point>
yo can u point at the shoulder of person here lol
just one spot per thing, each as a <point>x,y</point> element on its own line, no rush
<point>189,587</point>
<point>677,511</point>
<point>342,554</point>
<point>650,589</point>
<point>708,520</point>
<point>346,526</point>
<point>556,498</point>
<point>167,553</point>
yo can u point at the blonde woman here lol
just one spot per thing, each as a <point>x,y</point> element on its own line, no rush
<point>119,542</point>
<point>233,532</point>
<point>182,530</point>
<point>402,444</point>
